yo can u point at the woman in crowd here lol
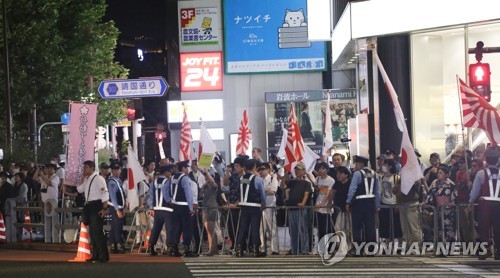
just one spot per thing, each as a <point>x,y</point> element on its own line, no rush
<point>442,194</point>
<point>388,181</point>
<point>210,211</point>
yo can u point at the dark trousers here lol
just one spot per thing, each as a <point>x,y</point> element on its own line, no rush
<point>232,226</point>
<point>197,224</point>
<point>182,223</point>
<point>161,218</point>
<point>488,218</point>
<point>325,225</point>
<point>116,233</point>
<point>250,219</point>
<point>363,220</point>
<point>96,232</point>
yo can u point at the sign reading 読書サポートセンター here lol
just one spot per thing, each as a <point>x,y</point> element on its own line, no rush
<point>269,36</point>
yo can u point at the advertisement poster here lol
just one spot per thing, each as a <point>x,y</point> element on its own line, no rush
<point>310,108</point>
<point>199,26</point>
<point>201,71</point>
<point>269,36</point>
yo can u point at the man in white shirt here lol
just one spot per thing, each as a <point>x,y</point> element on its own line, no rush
<point>269,214</point>
<point>324,201</point>
<point>96,195</point>
<point>50,193</point>
<point>197,182</point>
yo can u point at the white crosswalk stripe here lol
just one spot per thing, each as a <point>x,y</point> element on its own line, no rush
<point>311,266</point>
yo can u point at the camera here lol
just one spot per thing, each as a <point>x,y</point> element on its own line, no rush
<point>43,190</point>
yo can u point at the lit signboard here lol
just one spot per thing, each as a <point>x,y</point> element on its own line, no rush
<point>201,71</point>
<point>208,110</point>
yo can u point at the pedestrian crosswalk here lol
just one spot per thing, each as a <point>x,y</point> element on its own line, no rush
<point>311,266</point>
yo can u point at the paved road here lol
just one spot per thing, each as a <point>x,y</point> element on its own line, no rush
<point>22,263</point>
<point>311,266</point>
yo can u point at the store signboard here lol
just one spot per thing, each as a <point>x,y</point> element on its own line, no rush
<point>206,110</point>
<point>310,107</point>
<point>269,36</point>
<point>199,25</point>
<point>201,71</point>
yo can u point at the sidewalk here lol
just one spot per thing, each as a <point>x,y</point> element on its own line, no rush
<point>40,246</point>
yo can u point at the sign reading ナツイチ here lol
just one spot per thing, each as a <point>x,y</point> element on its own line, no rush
<point>269,36</point>
<point>133,88</point>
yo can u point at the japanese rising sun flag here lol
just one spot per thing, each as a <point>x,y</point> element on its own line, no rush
<point>186,140</point>
<point>410,168</point>
<point>477,112</point>
<point>244,135</point>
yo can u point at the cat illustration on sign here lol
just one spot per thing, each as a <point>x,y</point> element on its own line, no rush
<point>293,31</point>
<point>294,18</point>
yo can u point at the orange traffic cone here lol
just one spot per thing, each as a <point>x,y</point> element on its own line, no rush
<point>3,238</point>
<point>27,220</point>
<point>146,243</point>
<point>83,253</point>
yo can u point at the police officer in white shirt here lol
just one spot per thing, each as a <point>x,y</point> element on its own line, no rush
<point>96,202</point>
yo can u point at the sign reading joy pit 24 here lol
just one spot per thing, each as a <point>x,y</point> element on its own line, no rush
<point>201,71</point>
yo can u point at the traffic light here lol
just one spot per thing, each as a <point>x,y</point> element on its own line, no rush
<point>479,79</point>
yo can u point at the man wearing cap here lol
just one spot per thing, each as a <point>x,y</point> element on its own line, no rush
<point>115,208</point>
<point>430,174</point>
<point>5,188</point>
<point>182,200</point>
<point>391,154</point>
<point>270,182</point>
<point>104,170</point>
<point>94,188</point>
<point>300,190</point>
<point>159,203</point>
<point>363,200</point>
<point>252,202</point>
<point>486,188</point>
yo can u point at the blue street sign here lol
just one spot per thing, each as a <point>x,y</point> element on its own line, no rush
<point>65,118</point>
<point>133,88</point>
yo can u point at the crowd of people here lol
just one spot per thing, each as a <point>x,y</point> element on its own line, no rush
<point>247,201</point>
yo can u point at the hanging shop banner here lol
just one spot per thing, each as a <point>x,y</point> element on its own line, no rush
<point>81,140</point>
<point>310,108</point>
<point>201,71</point>
<point>199,23</point>
<point>269,36</point>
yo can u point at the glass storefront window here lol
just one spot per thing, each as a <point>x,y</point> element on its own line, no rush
<point>437,57</point>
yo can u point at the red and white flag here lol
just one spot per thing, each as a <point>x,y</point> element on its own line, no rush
<point>294,149</point>
<point>478,113</point>
<point>186,140</point>
<point>244,135</point>
<point>410,168</point>
<point>135,176</point>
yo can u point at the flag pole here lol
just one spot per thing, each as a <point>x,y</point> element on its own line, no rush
<point>462,121</point>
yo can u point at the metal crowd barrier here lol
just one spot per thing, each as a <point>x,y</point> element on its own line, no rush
<point>226,225</point>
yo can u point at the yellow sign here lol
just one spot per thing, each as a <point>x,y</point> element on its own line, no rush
<point>205,160</point>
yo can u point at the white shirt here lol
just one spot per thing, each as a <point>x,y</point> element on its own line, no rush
<point>61,173</point>
<point>194,189</point>
<point>324,186</point>
<point>98,190</point>
<point>270,184</point>
<point>52,189</point>
<point>199,178</point>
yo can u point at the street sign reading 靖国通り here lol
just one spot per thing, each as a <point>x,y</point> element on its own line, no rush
<point>133,88</point>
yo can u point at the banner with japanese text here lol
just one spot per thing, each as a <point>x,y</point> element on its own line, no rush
<point>269,36</point>
<point>81,145</point>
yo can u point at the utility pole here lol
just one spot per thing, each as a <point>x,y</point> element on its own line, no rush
<point>8,109</point>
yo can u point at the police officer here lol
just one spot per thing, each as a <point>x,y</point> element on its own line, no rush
<point>182,200</point>
<point>252,201</point>
<point>115,208</point>
<point>161,210</point>
<point>94,188</point>
<point>363,200</point>
<point>486,187</point>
